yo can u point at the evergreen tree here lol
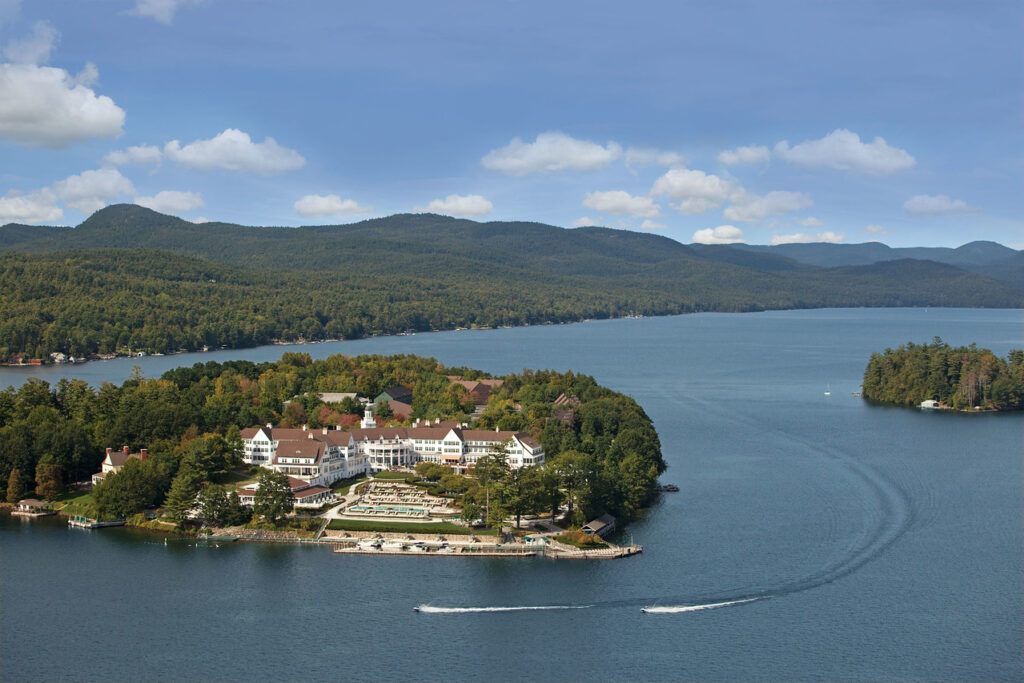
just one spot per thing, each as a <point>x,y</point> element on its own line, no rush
<point>16,486</point>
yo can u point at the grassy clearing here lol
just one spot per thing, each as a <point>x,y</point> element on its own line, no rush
<point>341,488</point>
<point>581,540</point>
<point>406,527</point>
<point>81,504</point>
<point>395,475</point>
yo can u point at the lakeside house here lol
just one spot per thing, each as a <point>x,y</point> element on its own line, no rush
<point>321,457</point>
<point>31,507</point>
<point>602,526</point>
<point>115,460</point>
<point>305,494</point>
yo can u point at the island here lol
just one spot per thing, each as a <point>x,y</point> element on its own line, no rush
<point>356,451</point>
<point>940,377</point>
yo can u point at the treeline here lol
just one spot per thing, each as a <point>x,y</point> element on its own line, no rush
<point>961,377</point>
<point>130,278</point>
<point>608,452</point>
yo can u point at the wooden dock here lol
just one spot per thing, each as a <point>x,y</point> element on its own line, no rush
<point>80,522</point>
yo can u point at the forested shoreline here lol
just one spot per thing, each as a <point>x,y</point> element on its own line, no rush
<point>960,378</point>
<point>606,458</point>
<point>132,280</point>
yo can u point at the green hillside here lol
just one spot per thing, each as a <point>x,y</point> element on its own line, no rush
<point>132,278</point>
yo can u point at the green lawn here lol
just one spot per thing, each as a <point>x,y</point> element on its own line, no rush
<point>406,527</point>
<point>402,476</point>
<point>341,488</point>
<point>80,504</point>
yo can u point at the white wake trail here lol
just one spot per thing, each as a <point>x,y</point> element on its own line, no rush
<point>675,609</point>
<point>429,609</point>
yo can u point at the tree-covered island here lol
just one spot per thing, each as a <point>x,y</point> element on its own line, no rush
<point>958,378</point>
<point>181,448</point>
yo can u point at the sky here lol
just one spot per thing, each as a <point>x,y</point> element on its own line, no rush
<point>713,122</point>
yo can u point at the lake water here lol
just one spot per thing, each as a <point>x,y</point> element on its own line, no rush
<point>879,542</point>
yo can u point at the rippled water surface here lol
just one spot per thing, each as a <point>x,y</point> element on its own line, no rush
<point>814,536</point>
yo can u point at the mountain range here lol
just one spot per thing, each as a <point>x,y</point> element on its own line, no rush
<point>129,276</point>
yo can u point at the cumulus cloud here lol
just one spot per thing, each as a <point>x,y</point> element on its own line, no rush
<point>43,106</point>
<point>34,49</point>
<point>619,202</point>
<point>584,221</point>
<point>37,207</point>
<point>754,154</point>
<point>875,230</point>
<point>934,205</point>
<point>649,156</point>
<point>329,205</point>
<point>750,207</point>
<point>138,154</point>
<point>472,206</point>
<point>810,222</point>
<point>696,191</point>
<point>90,191</point>
<point>842,149</point>
<point>801,238</point>
<point>723,234</point>
<point>161,10</point>
<point>552,151</point>
<point>234,150</point>
<point>171,201</point>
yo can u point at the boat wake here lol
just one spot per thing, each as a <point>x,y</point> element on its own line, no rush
<point>676,609</point>
<point>430,609</point>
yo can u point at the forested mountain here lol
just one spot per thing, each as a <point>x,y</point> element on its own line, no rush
<point>827,255</point>
<point>132,278</point>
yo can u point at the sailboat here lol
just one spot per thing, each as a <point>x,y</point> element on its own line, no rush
<point>828,389</point>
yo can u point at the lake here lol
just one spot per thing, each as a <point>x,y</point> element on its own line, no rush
<point>855,541</point>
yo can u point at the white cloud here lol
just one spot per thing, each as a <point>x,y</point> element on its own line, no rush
<point>90,191</point>
<point>800,238</point>
<point>696,191</point>
<point>473,206</point>
<point>35,49</point>
<point>648,224</point>
<point>138,154</point>
<point>934,205</point>
<point>750,207</point>
<point>842,149</point>
<point>552,151</point>
<point>619,202</point>
<point>42,106</point>
<point>584,221</point>
<point>753,154</point>
<point>161,10</point>
<point>37,207</point>
<point>723,234</point>
<point>234,150</point>
<point>810,222</point>
<point>649,156</point>
<point>171,201</point>
<point>875,230</point>
<point>329,205</point>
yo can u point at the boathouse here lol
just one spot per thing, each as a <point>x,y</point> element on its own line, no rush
<point>602,526</point>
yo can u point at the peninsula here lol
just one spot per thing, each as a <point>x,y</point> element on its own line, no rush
<point>341,448</point>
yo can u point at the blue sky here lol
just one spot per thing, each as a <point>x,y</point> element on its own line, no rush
<point>763,122</point>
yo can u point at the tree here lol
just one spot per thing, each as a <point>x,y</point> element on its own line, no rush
<point>16,486</point>
<point>273,497</point>
<point>49,479</point>
<point>213,504</point>
<point>519,493</point>
<point>182,496</point>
